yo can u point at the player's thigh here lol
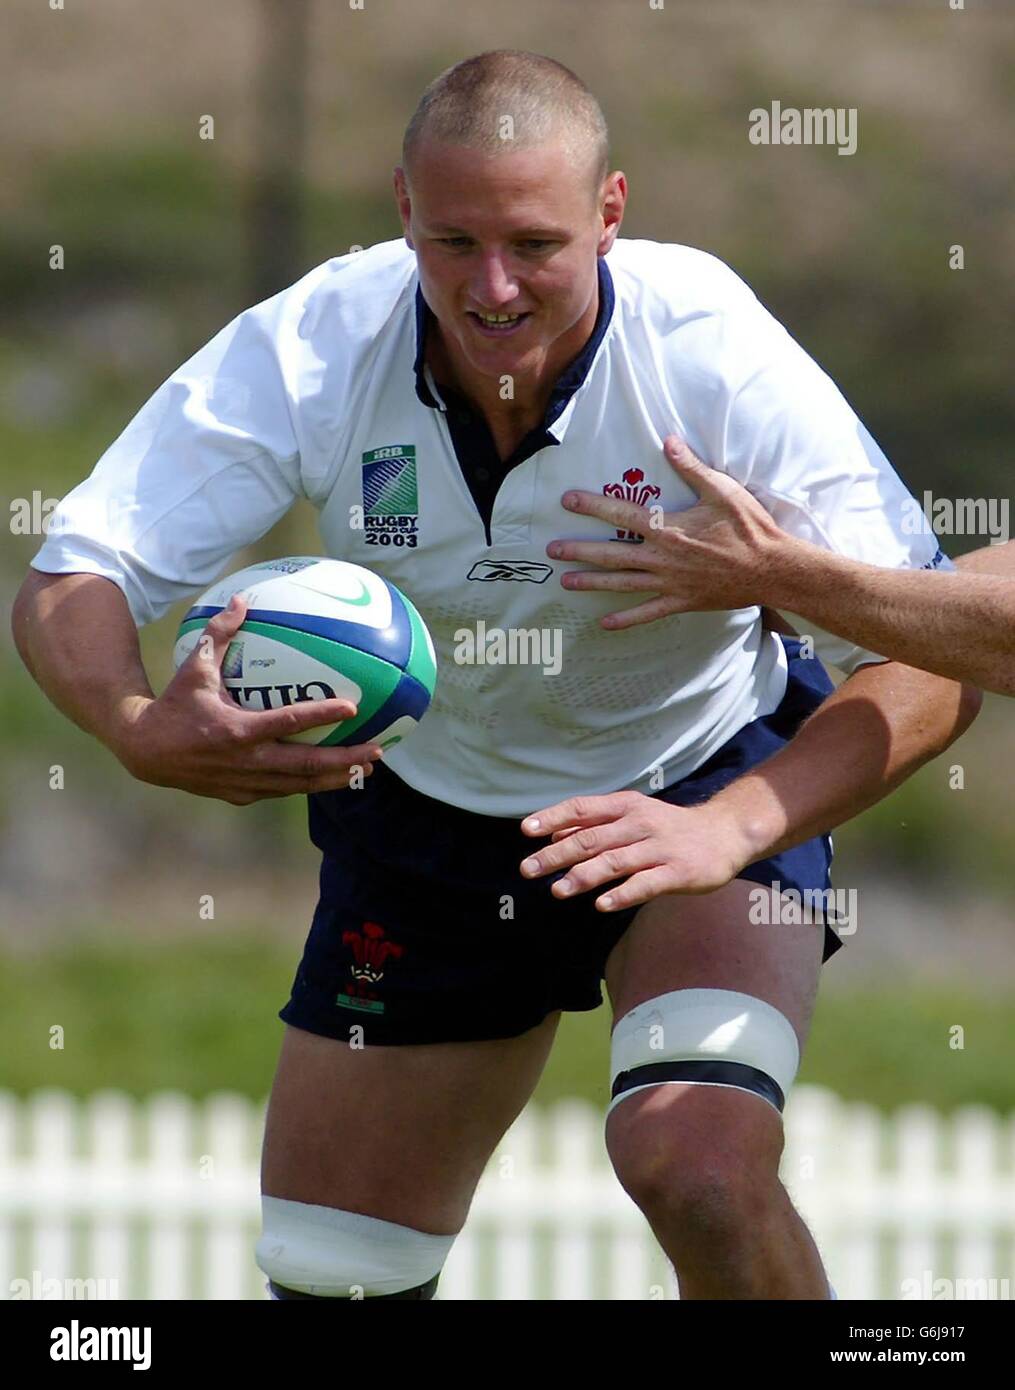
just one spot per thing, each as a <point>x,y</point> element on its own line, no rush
<point>709,941</point>
<point>401,1133</point>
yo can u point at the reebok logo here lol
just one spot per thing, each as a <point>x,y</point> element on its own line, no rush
<point>519,571</point>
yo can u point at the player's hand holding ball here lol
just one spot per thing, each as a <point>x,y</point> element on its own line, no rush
<point>194,736</point>
<point>292,677</point>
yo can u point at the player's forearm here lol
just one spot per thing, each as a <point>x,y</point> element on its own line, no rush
<point>76,637</point>
<point>877,729</point>
<point>960,625</point>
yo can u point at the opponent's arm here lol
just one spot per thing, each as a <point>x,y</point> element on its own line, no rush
<point>881,724</point>
<point>728,552</point>
<point>885,721</point>
<point>959,624</point>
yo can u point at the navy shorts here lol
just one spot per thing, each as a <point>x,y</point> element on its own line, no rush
<point>411,938</point>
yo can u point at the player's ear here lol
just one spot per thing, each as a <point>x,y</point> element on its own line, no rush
<point>612,199</point>
<point>404,202</point>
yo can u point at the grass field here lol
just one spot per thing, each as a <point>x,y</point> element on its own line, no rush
<point>199,1015</point>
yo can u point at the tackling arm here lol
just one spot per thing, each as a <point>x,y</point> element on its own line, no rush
<point>959,624</point>
<point>729,551</point>
<point>877,729</point>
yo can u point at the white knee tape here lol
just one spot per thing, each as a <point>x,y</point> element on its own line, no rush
<point>337,1254</point>
<point>713,1037</point>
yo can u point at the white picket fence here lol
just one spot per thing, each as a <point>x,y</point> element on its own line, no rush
<point>159,1199</point>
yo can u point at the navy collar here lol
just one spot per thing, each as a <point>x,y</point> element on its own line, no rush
<point>569,380</point>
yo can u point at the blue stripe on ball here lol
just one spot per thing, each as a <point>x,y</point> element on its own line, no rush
<point>392,644</point>
<point>408,697</point>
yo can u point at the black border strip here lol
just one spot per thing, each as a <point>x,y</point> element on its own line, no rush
<point>703,1072</point>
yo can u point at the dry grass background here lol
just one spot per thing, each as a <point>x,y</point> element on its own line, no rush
<point>114,70</point>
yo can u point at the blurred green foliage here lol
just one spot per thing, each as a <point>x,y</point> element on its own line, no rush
<point>198,1014</point>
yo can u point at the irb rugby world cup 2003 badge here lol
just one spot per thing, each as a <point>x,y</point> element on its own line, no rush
<point>390,496</point>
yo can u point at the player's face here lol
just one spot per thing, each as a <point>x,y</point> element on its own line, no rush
<point>506,246</point>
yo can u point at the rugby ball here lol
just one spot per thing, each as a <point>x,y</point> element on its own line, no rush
<point>317,629</point>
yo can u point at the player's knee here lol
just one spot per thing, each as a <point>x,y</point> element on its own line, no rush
<point>310,1251</point>
<point>695,1131</point>
<point>696,1164</point>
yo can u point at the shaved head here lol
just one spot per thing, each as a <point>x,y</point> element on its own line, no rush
<point>509,100</point>
<point>505,196</point>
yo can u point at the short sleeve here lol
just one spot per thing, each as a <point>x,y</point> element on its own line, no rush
<point>207,466</point>
<point>793,440</point>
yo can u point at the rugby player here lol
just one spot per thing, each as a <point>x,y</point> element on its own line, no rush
<point>538,833</point>
<point>959,624</point>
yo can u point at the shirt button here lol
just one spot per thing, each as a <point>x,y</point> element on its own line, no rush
<point>482,474</point>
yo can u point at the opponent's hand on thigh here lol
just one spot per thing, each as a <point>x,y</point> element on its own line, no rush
<point>654,847</point>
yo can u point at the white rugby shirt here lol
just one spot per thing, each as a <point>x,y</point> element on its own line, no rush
<point>321,391</point>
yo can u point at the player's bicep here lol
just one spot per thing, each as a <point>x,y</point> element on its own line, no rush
<point>208,465</point>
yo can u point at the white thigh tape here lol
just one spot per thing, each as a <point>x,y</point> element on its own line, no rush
<point>707,1036</point>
